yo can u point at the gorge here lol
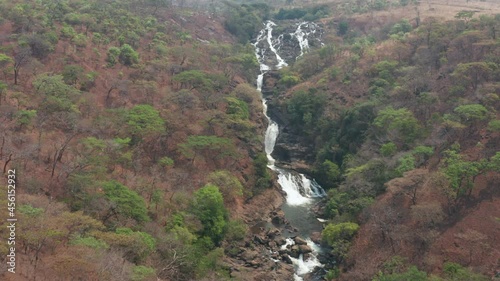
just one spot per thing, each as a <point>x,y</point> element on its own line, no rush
<point>301,192</point>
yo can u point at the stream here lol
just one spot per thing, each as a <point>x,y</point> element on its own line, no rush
<point>302,192</point>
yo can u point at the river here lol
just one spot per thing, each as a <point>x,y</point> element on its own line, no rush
<point>302,192</point>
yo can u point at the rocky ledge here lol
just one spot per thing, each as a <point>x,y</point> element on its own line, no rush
<point>267,252</point>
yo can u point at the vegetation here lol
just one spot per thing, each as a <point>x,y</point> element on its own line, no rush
<point>135,131</point>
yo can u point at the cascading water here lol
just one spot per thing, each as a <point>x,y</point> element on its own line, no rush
<point>301,191</point>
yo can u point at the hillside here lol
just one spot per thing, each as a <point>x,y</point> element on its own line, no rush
<point>132,133</point>
<point>397,116</point>
<point>116,116</point>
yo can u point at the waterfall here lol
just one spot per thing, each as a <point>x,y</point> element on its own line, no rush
<point>301,191</point>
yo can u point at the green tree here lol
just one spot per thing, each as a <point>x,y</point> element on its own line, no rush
<point>25,117</point>
<point>473,74</point>
<point>208,207</point>
<point>398,124</point>
<point>72,73</point>
<point>237,108</point>
<point>205,144</point>
<point>494,125</point>
<point>340,231</point>
<point>388,149</point>
<point>460,173</point>
<point>406,163</point>
<point>144,120</point>
<point>422,154</point>
<point>471,113</point>
<point>112,55</point>
<point>328,173</point>
<point>125,201</point>
<point>229,185</point>
<point>195,79</point>
<point>456,272</point>
<point>5,62</point>
<point>263,177</point>
<point>128,56</point>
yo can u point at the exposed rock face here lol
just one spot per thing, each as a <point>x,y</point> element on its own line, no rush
<point>290,151</point>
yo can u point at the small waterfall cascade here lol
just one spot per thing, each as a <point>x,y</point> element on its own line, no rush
<point>301,191</point>
<point>304,29</point>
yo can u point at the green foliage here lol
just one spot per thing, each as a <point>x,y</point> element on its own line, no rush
<point>29,210</point>
<point>25,117</point>
<point>338,237</point>
<point>90,242</point>
<point>127,202</point>
<point>72,73</point>
<point>263,177</point>
<point>247,61</point>
<point>471,112</point>
<point>208,207</point>
<point>346,205</point>
<point>80,40</point>
<point>343,28</point>
<point>422,154</point>
<point>413,274</point>
<point>328,173</point>
<point>128,56</point>
<point>68,32</point>
<point>406,163</point>
<point>209,262</point>
<point>199,80</point>
<point>245,21</point>
<point>144,120</point>
<point>5,60</point>
<point>385,70</point>
<point>461,174</point>
<point>194,144</point>
<point>308,14</point>
<point>112,55</point>
<point>58,96</point>
<point>341,231</point>
<point>472,74</point>
<point>388,149</point>
<point>401,121</point>
<point>494,125</point>
<point>236,230</point>
<point>305,108</point>
<point>456,272</point>
<point>140,272</point>
<point>289,80</point>
<point>166,161</point>
<point>238,109</point>
<point>401,27</point>
<point>229,185</point>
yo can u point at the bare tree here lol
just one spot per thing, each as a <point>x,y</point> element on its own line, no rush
<point>22,58</point>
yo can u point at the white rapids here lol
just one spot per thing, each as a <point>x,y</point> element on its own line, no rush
<point>300,190</point>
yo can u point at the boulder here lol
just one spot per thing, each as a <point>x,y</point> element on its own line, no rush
<point>272,244</point>
<point>273,232</point>
<point>299,241</point>
<point>249,255</point>
<point>260,240</point>
<point>280,241</point>
<point>286,258</point>
<point>294,251</point>
<point>316,237</point>
<point>305,249</point>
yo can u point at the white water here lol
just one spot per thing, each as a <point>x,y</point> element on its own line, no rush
<point>300,190</point>
<point>303,34</point>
